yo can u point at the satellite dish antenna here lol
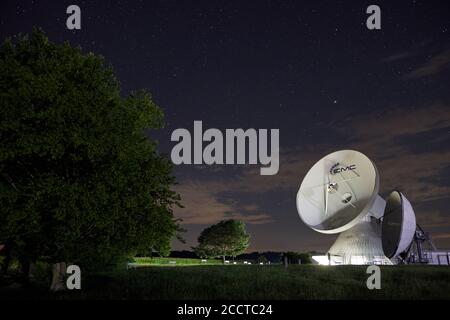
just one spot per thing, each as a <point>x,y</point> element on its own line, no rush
<point>398,226</point>
<point>339,194</point>
<point>338,191</point>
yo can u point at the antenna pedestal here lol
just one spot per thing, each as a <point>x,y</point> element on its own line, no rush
<point>359,245</point>
<point>362,244</point>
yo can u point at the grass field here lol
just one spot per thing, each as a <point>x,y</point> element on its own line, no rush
<point>253,282</point>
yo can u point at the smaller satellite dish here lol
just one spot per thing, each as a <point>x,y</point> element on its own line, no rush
<point>398,226</point>
<point>338,191</point>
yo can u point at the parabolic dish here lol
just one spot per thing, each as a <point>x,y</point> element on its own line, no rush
<point>337,191</point>
<point>399,225</point>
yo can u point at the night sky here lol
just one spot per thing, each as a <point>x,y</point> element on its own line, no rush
<point>311,69</point>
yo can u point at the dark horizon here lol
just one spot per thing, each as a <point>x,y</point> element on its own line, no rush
<point>312,70</point>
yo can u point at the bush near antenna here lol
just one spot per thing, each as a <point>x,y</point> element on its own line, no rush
<point>298,258</point>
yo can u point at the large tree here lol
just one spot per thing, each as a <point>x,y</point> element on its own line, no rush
<point>79,180</point>
<point>226,238</point>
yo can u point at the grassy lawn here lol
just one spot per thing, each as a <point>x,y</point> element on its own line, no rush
<point>253,282</point>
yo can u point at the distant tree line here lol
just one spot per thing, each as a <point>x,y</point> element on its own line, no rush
<point>269,256</point>
<point>229,238</point>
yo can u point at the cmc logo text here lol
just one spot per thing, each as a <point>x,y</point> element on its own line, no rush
<point>337,168</point>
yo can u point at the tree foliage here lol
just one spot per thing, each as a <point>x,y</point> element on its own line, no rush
<point>226,238</point>
<point>79,180</point>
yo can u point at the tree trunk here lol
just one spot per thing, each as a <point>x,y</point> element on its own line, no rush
<point>59,273</point>
<point>32,270</point>
<point>25,272</point>
<point>223,259</point>
<point>5,264</point>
